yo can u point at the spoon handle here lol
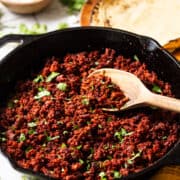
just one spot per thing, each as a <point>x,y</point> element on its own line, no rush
<point>164,102</point>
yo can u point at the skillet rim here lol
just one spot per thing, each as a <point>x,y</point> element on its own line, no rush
<point>29,39</point>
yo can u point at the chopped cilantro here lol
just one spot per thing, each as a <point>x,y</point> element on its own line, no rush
<point>134,156</point>
<point>63,145</point>
<point>102,174</point>
<point>73,5</point>
<point>136,57</point>
<point>164,137</point>
<point>117,174</point>
<point>22,137</point>
<point>121,134</point>
<point>65,132</point>
<point>88,166</point>
<point>110,86</point>
<point>35,29</point>
<point>28,149</point>
<point>32,131</point>
<point>32,124</point>
<point>48,138</point>
<point>62,86</point>
<point>42,92</point>
<point>156,89</point>
<point>2,139</point>
<point>39,78</point>
<point>79,147</point>
<point>99,126</point>
<point>85,101</point>
<point>52,76</point>
<point>81,161</point>
<point>62,26</point>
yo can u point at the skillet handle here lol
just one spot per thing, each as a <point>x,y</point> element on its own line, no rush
<point>11,42</point>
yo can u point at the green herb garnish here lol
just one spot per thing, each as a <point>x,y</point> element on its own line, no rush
<point>81,161</point>
<point>22,137</point>
<point>134,156</point>
<point>39,78</point>
<point>103,175</point>
<point>79,147</point>
<point>42,92</point>
<point>32,131</point>
<point>32,124</point>
<point>136,57</point>
<point>63,145</point>
<point>35,29</point>
<point>110,86</point>
<point>62,86</point>
<point>164,137</point>
<point>85,101</point>
<point>63,26</point>
<point>121,134</point>
<point>73,5</point>
<point>28,149</point>
<point>65,132</point>
<point>52,76</point>
<point>2,139</point>
<point>156,89</point>
<point>48,138</point>
<point>116,174</point>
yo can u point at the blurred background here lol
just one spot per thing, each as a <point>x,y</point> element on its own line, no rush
<point>57,14</point>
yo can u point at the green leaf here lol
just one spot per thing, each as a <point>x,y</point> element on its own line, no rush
<point>32,131</point>
<point>73,5</point>
<point>32,124</point>
<point>39,78</point>
<point>22,137</point>
<point>52,138</point>
<point>35,29</point>
<point>63,26</point>
<point>79,147</point>
<point>102,174</point>
<point>63,145</point>
<point>2,139</point>
<point>62,86</point>
<point>52,76</point>
<point>39,28</point>
<point>28,148</point>
<point>121,134</point>
<point>85,101</point>
<point>156,89</point>
<point>42,92</point>
<point>99,126</point>
<point>136,57</point>
<point>81,161</point>
<point>65,132</point>
<point>134,156</point>
<point>164,137</point>
<point>117,174</point>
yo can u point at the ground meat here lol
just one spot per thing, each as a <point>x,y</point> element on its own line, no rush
<point>55,124</point>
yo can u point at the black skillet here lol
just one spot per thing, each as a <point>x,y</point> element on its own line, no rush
<point>33,49</point>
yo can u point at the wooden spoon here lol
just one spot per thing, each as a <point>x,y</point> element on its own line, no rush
<point>137,93</point>
<point>26,7</point>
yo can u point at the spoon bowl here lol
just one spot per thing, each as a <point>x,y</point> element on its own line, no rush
<point>134,89</point>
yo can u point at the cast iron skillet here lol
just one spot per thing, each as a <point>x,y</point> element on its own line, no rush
<point>33,49</point>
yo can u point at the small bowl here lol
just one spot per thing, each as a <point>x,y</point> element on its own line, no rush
<point>26,7</point>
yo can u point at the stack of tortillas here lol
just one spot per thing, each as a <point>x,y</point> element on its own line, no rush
<point>158,19</point>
